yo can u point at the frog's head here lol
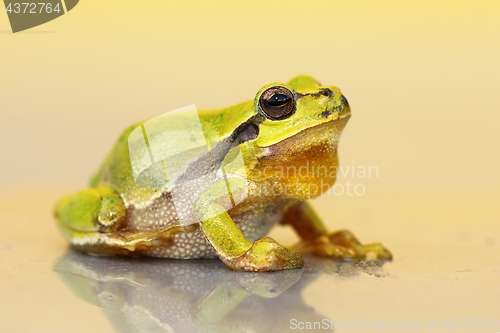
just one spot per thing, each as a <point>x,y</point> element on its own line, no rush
<point>301,105</point>
<point>295,134</point>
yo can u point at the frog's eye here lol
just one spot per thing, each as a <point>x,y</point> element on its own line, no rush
<point>277,103</point>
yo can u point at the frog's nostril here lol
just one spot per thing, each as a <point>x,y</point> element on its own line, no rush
<point>344,100</point>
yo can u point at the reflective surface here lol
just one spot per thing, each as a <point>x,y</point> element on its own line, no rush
<point>155,295</point>
<point>446,266</point>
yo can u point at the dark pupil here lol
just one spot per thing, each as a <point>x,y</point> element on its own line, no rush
<point>278,100</point>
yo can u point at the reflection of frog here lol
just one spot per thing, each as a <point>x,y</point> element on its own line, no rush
<point>286,129</point>
<point>152,295</point>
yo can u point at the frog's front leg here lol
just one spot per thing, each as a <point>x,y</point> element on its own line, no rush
<point>316,239</point>
<point>238,252</point>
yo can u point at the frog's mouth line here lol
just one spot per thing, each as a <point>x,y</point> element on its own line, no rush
<point>314,135</point>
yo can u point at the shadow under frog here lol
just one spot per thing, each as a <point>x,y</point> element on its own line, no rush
<point>159,295</point>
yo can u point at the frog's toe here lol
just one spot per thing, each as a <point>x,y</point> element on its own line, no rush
<point>379,250</point>
<point>266,255</point>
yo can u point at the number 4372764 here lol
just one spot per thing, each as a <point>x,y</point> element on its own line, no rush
<point>32,8</point>
<point>470,324</point>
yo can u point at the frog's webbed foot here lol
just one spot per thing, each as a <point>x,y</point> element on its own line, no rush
<point>316,239</point>
<point>342,245</point>
<point>265,255</point>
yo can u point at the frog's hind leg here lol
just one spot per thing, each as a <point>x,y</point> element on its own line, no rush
<point>93,221</point>
<point>316,239</point>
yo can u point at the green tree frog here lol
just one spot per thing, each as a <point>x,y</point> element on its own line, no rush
<point>288,135</point>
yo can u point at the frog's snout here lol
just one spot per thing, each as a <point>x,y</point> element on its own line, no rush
<point>344,101</point>
<point>338,106</point>
<point>346,109</point>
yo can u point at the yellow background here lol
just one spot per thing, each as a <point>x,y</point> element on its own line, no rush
<point>421,76</point>
<point>422,79</point>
